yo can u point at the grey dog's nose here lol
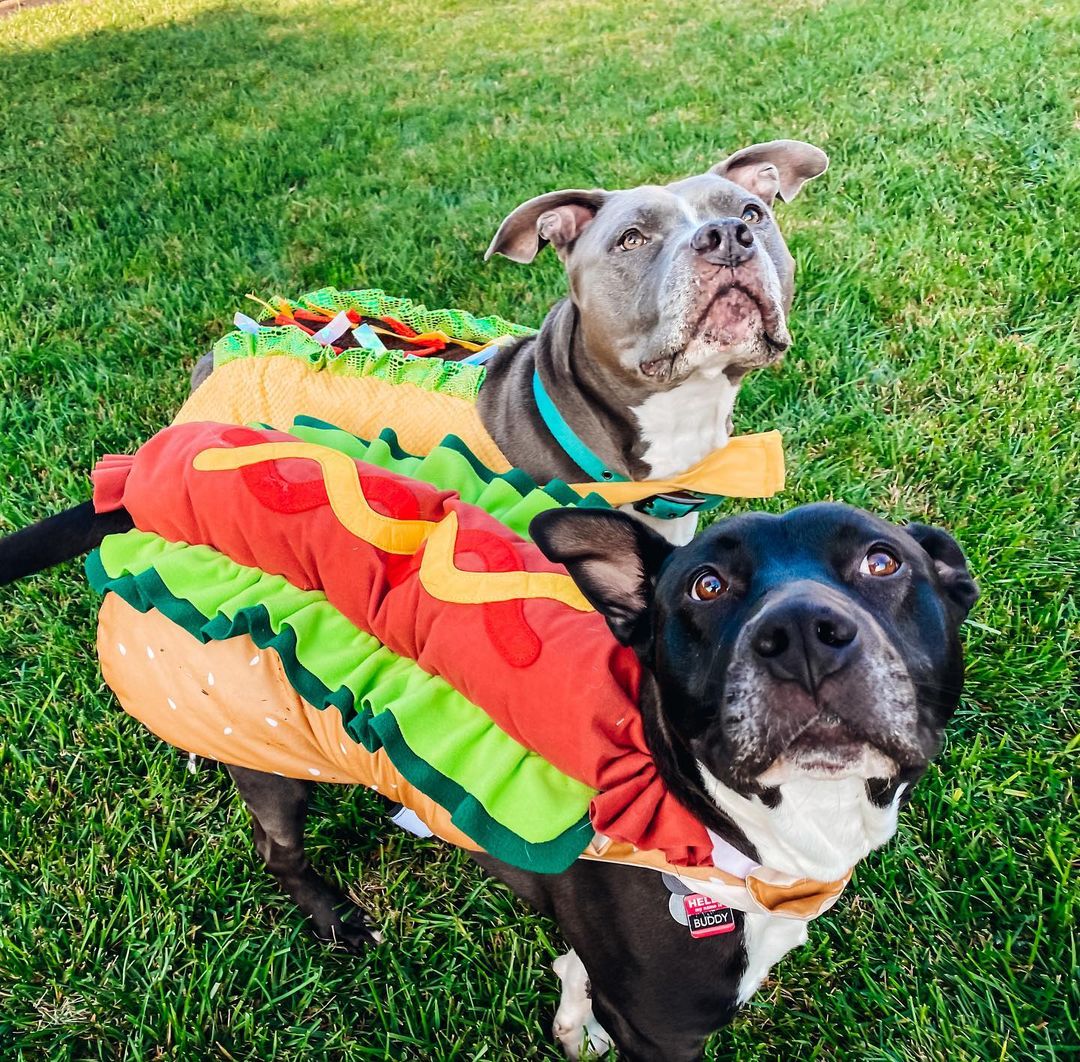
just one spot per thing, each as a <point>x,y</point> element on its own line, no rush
<point>802,640</point>
<point>724,241</point>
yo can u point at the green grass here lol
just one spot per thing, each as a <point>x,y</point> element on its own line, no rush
<point>160,159</point>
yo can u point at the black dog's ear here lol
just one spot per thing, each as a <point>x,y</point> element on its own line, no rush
<point>613,558</point>
<point>950,564</point>
<point>557,218</point>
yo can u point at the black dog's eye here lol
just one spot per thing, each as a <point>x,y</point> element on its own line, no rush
<point>751,214</point>
<point>632,239</point>
<point>879,561</point>
<point>708,586</point>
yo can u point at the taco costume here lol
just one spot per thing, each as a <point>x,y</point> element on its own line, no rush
<point>331,602</point>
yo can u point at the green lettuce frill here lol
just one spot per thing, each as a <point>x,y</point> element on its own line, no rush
<point>513,497</point>
<point>512,802</point>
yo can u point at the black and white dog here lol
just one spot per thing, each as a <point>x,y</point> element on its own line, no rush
<point>798,672</point>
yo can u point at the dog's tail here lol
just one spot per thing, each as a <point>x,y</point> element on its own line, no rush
<point>60,538</point>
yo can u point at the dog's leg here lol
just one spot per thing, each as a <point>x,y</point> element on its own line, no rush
<point>574,1026</point>
<point>278,809</point>
<point>653,991</point>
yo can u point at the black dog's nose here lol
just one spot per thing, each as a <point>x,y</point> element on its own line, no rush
<point>804,641</point>
<point>725,241</point>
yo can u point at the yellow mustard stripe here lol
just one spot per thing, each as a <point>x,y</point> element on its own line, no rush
<point>750,466</point>
<point>439,576</point>
<point>342,488</point>
<point>443,580</point>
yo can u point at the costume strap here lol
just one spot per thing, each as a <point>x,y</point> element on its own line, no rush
<point>727,857</point>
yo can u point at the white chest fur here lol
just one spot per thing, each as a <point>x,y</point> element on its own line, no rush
<point>679,427</point>
<point>820,829</point>
<point>766,940</point>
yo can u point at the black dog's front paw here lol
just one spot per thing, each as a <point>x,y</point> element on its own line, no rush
<point>348,928</point>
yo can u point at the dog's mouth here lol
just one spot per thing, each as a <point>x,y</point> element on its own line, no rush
<point>777,731</point>
<point>829,747</point>
<point>733,314</point>
<point>738,318</point>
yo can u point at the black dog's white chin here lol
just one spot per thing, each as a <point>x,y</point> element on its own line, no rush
<point>863,761</point>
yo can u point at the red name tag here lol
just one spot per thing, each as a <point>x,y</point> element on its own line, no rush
<point>706,917</point>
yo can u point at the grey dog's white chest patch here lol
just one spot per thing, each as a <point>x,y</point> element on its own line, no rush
<point>679,427</point>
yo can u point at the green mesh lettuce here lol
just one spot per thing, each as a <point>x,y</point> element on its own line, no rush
<point>430,373</point>
<point>371,302</point>
<point>444,745</point>
<point>394,366</point>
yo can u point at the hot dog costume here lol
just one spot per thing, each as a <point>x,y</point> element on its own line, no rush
<point>352,596</point>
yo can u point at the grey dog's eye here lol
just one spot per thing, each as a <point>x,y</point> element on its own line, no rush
<point>879,562</point>
<point>632,239</point>
<point>751,214</point>
<point>708,586</point>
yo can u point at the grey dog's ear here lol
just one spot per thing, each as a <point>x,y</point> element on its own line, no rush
<point>951,567</point>
<point>613,558</point>
<point>778,168</point>
<point>557,218</point>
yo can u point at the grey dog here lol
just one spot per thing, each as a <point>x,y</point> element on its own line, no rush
<point>677,291</point>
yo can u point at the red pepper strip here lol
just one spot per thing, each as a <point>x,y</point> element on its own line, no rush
<point>428,340</point>
<point>309,315</point>
<point>400,327</point>
<point>436,339</point>
<point>284,319</point>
